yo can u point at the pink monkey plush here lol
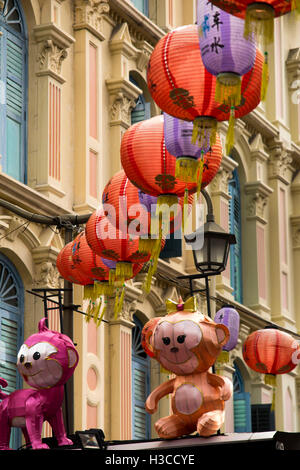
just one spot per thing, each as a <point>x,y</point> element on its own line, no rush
<point>46,361</point>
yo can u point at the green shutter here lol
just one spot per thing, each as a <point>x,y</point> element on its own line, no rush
<point>242,412</point>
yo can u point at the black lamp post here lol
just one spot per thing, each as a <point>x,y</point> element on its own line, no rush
<point>210,245</point>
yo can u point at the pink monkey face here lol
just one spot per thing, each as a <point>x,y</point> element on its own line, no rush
<point>175,342</point>
<point>47,359</point>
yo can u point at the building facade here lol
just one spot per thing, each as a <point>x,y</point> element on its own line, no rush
<point>72,80</point>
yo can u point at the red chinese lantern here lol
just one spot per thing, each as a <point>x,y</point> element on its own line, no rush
<point>110,243</point>
<point>259,15</point>
<point>68,269</point>
<point>271,352</point>
<point>182,87</point>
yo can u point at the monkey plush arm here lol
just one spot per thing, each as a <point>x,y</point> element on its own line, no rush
<point>223,382</point>
<point>158,393</point>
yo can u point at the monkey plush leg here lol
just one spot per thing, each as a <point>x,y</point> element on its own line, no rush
<point>171,427</point>
<point>209,423</point>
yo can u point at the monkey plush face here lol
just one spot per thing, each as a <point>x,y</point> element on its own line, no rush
<point>185,343</point>
<point>47,358</point>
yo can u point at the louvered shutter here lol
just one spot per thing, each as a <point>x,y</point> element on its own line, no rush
<point>13,104</point>
<point>242,412</point>
<point>140,385</point>
<point>235,227</point>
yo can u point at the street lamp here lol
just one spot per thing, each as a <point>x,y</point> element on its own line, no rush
<point>210,245</point>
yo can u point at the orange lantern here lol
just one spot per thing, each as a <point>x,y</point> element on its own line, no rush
<point>68,269</point>
<point>182,87</point>
<point>271,352</point>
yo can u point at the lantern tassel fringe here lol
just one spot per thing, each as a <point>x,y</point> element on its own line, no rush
<point>119,303</point>
<point>154,258</point>
<point>230,132</point>
<point>204,131</point>
<point>227,92</point>
<point>200,175</point>
<point>124,270</point>
<point>104,288</point>
<point>295,5</point>
<point>260,28</point>
<point>223,357</point>
<point>165,201</point>
<point>146,245</point>
<point>186,169</point>
<point>271,380</point>
<point>265,78</point>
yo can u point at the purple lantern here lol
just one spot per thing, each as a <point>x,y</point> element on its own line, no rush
<point>225,52</point>
<point>229,317</point>
<point>189,157</point>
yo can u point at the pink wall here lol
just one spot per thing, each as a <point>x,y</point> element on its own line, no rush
<point>54,130</point>
<point>224,222</point>
<point>125,385</point>
<point>93,94</point>
<point>261,262</point>
<point>93,157</point>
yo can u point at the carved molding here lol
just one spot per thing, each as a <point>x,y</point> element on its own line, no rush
<point>280,162</point>
<point>53,43</point>
<point>123,95</point>
<point>46,273</point>
<point>258,194</point>
<point>295,224</point>
<point>219,185</point>
<point>89,15</point>
<point>143,55</point>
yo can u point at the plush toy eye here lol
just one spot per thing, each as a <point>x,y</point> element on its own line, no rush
<point>36,356</point>
<point>181,339</point>
<point>166,340</point>
<point>22,358</point>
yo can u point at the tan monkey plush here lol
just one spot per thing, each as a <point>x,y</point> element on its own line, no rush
<point>187,344</point>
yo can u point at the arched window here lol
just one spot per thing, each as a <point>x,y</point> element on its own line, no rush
<point>142,110</point>
<point>13,90</point>
<point>140,385</point>
<point>11,328</point>
<point>235,227</point>
<point>241,403</point>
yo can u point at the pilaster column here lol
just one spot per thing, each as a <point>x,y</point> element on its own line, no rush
<point>280,173</point>
<point>120,365</point>
<point>295,228</point>
<point>90,30</point>
<point>46,162</point>
<point>122,93</point>
<point>256,292</point>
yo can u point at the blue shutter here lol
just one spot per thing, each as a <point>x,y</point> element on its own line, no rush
<point>173,246</point>
<point>235,227</point>
<point>11,330</point>
<point>140,386</point>
<point>13,89</point>
<point>142,6</point>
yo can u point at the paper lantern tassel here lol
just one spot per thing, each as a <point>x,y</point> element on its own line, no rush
<point>230,132</point>
<point>265,78</point>
<point>260,23</point>
<point>204,131</point>
<point>270,379</point>
<point>119,302</point>
<point>228,89</point>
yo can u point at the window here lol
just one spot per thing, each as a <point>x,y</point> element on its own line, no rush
<point>13,90</point>
<point>235,227</point>
<point>140,385</point>
<point>263,418</point>
<point>142,6</point>
<point>11,333</point>
<point>241,404</point>
<point>142,110</point>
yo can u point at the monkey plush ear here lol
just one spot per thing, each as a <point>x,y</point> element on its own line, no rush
<point>222,333</point>
<point>147,332</point>
<point>73,357</point>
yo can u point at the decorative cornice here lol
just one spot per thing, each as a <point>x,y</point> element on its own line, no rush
<point>219,185</point>
<point>53,44</point>
<point>121,44</point>
<point>143,55</point>
<point>89,15</point>
<point>258,194</point>
<point>123,95</point>
<point>280,161</point>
